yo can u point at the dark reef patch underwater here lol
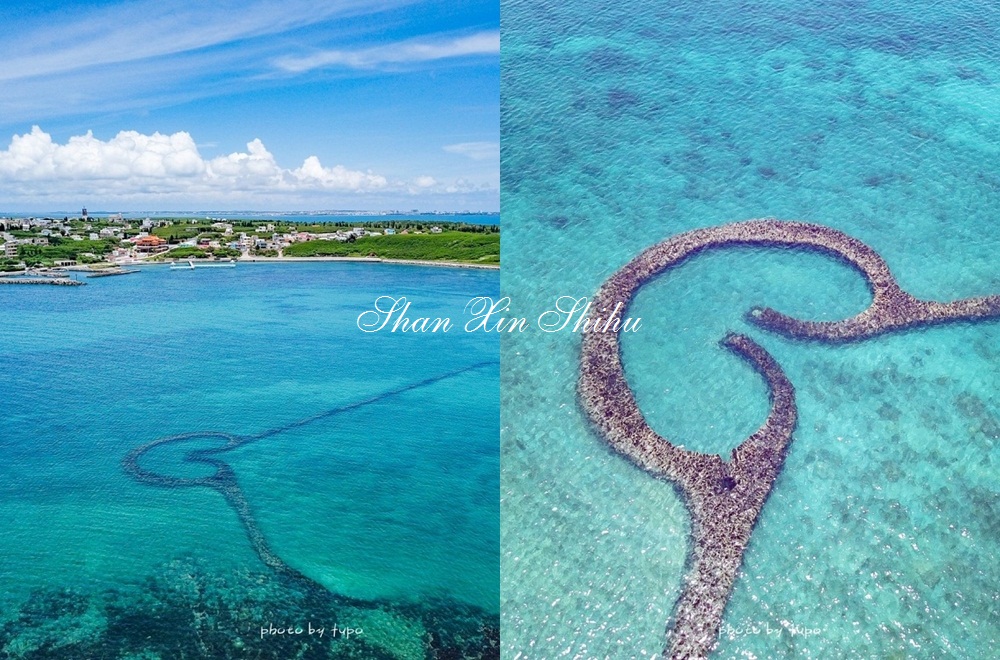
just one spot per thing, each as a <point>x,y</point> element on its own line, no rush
<point>319,499</point>
<point>188,611</point>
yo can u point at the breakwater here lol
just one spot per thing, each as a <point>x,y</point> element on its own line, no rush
<point>46,280</point>
<point>224,479</point>
<point>113,272</point>
<point>725,498</point>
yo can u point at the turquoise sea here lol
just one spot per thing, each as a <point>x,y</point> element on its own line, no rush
<point>626,123</point>
<point>389,509</point>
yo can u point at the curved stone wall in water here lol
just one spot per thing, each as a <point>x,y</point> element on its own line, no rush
<point>724,497</point>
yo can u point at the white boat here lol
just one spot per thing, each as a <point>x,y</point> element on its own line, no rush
<point>178,266</point>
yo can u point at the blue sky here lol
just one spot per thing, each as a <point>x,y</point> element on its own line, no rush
<point>291,105</point>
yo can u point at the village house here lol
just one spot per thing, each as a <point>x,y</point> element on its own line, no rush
<point>150,244</point>
<point>119,255</point>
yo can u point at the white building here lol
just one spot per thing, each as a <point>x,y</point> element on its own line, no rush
<point>121,255</point>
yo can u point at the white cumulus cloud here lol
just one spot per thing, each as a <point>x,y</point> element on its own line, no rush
<point>135,170</point>
<point>35,157</point>
<point>338,177</point>
<point>132,162</point>
<point>257,164</point>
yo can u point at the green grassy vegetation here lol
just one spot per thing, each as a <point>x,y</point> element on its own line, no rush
<point>188,252</point>
<point>176,233</point>
<point>61,249</point>
<point>184,229</point>
<point>465,247</point>
<point>413,224</point>
<point>185,252</point>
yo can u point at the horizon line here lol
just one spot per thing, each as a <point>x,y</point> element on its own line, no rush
<point>7,213</point>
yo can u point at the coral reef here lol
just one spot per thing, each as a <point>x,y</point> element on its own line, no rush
<point>440,629</point>
<point>189,611</point>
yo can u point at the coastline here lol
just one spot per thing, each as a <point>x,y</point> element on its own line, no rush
<point>403,262</point>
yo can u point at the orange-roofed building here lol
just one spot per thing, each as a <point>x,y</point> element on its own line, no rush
<point>150,244</point>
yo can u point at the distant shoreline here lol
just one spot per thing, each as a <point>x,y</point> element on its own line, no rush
<point>403,262</point>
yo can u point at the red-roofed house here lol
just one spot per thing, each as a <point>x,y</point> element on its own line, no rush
<point>151,244</point>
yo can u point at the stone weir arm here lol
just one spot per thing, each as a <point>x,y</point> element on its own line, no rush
<point>724,508</point>
<point>725,498</point>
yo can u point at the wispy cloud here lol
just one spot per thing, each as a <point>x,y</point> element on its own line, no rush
<point>412,51</point>
<point>135,31</point>
<point>149,64</point>
<point>151,53</point>
<point>476,150</point>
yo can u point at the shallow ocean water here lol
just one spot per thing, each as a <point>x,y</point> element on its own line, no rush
<point>624,125</point>
<point>378,504</point>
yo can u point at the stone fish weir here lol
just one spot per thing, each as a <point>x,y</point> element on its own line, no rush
<point>725,498</point>
<point>224,480</point>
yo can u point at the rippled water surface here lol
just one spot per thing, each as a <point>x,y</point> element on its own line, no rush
<point>390,507</point>
<point>625,124</point>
